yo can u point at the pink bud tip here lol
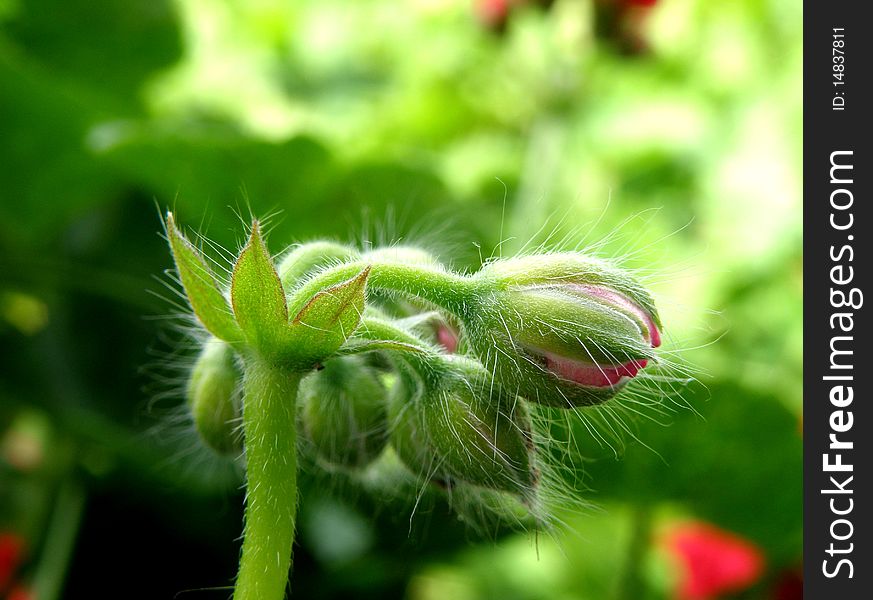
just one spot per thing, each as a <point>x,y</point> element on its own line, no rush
<point>590,374</point>
<point>447,338</point>
<point>653,336</point>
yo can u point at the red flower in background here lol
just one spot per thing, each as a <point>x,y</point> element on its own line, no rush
<point>714,561</point>
<point>11,555</point>
<point>493,14</point>
<point>21,592</point>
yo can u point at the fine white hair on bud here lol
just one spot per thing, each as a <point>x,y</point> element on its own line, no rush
<point>343,412</point>
<point>454,425</point>
<point>564,329</point>
<point>387,354</point>
<point>213,397</point>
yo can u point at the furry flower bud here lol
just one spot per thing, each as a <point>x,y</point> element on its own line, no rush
<point>407,433</point>
<point>562,329</point>
<point>468,431</point>
<point>308,258</point>
<point>213,390</point>
<point>481,440</point>
<point>343,412</point>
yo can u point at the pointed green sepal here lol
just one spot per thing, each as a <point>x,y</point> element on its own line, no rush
<point>356,346</point>
<point>331,316</point>
<point>258,298</point>
<point>201,288</point>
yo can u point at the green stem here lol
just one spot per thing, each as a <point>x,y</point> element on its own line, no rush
<point>442,288</point>
<point>375,328</point>
<point>424,362</point>
<point>631,584</point>
<point>427,361</point>
<point>60,541</point>
<point>271,481</point>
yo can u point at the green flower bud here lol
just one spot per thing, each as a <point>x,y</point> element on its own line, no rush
<point>563,329</point>
<point>343,412</point>
<point>310,257</point>
<point>407,431</point>
<point>213,397</point>
<point>481,440</point>
<point>464,429</point>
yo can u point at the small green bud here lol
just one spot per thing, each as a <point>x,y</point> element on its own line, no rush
<point>310,257</point>
<point>482,440</point>
<point>213,397</point>
<point>465,429</point>
<point>563,329</point>
<point>343,412</point>
<point>407,431</point>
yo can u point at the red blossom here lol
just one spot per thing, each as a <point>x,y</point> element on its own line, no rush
<point>493,13</point>
<point>714,561</point>
<point>11,555</point>
<point>21,592</point>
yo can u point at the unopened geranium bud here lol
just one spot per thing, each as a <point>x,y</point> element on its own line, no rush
<point>308,258</point>
<point>481,439</point>
<point>343,411</point>
<point>562,329</point>
<point>213,390</point>
<point>407,433</point>
<point>464,429</point>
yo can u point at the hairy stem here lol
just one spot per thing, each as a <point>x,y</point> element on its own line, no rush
<point>271,481</point>
<point>427,360</point>
<point>309,256</point>
<point>442,288</point>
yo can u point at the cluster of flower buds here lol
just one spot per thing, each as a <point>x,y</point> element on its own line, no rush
<point>362,352</point>
<point>558,329</point>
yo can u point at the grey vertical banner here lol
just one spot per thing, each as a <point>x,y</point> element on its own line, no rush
<point>838,227</point>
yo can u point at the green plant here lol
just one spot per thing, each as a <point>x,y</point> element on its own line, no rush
<point>349,336</point>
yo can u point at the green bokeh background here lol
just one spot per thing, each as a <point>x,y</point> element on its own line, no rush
<point>378,121</point>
